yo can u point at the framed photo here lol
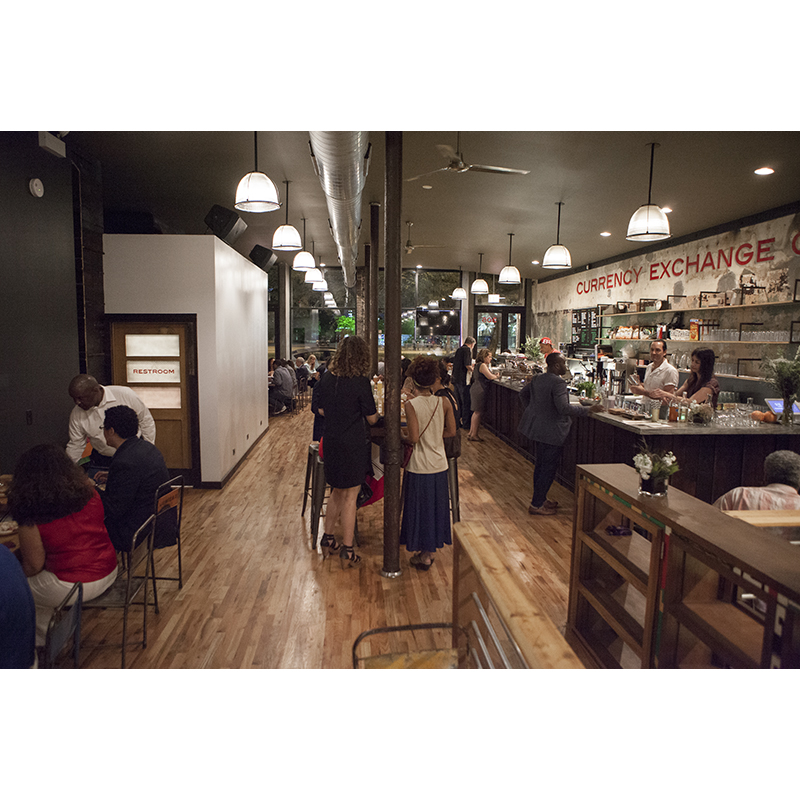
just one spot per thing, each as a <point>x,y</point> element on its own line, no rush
<point>794,333</point>
<point>796,289</point>
<point>676,301</point>
<point>650,305</point>
<point>712,299</point>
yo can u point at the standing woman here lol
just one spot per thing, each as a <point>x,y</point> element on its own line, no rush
<point>62,535</point>
<point>701,385</point>
<point>345,401</point>
<point>480,377</point>
<point>426,507</point>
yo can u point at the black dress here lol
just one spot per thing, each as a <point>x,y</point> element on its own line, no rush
<point>478,389</point>
<point>345,439</point>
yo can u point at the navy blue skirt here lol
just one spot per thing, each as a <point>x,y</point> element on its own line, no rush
<point>426,512</point>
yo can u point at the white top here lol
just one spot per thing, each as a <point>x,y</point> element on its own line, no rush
<point>88,425</point>
<point>659,377</point>
<point>428,455</point>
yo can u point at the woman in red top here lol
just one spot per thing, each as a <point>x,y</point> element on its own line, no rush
<point>62,535</point>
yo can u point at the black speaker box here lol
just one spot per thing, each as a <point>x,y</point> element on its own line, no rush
<point>225,223</point>
<point>263,257</point>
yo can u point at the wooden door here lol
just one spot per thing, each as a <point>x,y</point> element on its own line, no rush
<point>156,360</point>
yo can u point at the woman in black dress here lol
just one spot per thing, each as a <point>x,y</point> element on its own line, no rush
<point>345,402</point>
<point>481,375</point>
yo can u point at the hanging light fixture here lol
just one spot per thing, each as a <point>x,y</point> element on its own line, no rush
<point>649,223</point>
<point>459,293</point>
<point>256,192</point>
<point>287,237</point>
<point>494,299</point>
<point>321,285</point>
<point>509,273</point>
<point>479,285</point>
<point>557,256</point>
<point>313,275</point>
<point>304,260</point>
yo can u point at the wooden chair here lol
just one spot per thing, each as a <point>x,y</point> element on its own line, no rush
<point>127,586</point>
<point>65,624</point>
<point>168,512</point>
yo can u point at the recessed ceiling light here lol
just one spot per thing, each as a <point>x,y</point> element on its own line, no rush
<point>419,266</point>
<point>605,233</point>
<point>534,262</point>
<point>764,171</point>
<point>666,209</point>
<point>427,186</point>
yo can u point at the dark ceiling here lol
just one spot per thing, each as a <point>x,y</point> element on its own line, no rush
<point>707,179</point>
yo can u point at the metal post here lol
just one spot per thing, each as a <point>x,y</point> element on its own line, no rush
<point>372,284</point>
<point>360,293</point>
<point>392,353</point>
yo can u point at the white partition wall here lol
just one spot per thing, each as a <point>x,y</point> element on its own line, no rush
<point>163,274</point>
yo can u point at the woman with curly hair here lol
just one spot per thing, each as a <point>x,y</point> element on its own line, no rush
<point>345,401</point>
<point>480,377</point>
<point>62,534</point>
<point>426,504</point>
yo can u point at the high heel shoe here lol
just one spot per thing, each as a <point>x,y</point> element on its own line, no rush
<point>328,545</point>
<point>347,554</point>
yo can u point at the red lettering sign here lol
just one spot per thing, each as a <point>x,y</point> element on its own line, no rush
<point>763,247</point>
<point>742,259</point>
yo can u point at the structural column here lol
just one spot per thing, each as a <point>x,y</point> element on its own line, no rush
<point>392,248</point>
<point>372,285</point>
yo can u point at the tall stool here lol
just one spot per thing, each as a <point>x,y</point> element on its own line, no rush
<point>313,452</point>
<point>452,484</point>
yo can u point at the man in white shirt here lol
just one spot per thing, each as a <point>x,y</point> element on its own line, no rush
<point>86,420</point>
<point>660,374</point>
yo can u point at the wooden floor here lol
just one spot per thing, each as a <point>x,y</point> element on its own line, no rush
<point>256,595</point>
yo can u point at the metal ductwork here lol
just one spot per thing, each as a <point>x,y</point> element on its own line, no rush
<point>341,161</point>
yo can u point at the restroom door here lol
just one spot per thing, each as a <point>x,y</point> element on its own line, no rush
<point>157,360</point>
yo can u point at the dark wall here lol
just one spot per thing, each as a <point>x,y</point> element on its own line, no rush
<point>39,346</point>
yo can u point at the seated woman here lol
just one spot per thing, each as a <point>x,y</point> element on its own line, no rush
<point>62,535</point>
<point>701,386</point>
<point>311,366</point>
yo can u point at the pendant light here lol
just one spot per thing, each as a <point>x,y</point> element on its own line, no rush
<point>649,223</point>
<point>321,285</point>
<point>287,236</point>
<point>509,273</point>
<point>304,260</point>
<point>479,285</point>
<point>493,298</point>
<point>557,256</point>
<point>313,276</point>
<point>256,192</point>
<point>459,293</point>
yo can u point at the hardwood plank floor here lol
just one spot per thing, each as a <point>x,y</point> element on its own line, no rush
<point>256,595</point>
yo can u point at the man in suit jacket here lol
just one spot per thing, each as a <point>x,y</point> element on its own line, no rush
<point>546,421</point>
<point>136,471</point>
<point>462,369</point>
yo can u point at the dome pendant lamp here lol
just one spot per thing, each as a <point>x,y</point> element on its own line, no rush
<point>256,192</point>
<point>509,273</point>
<point>479,285</point>
<point>648,223</point>
<point>557,256</point>
<point>494,298</point>
<point>459,293</point>
<point>287,236</point>
<point>304,260</point>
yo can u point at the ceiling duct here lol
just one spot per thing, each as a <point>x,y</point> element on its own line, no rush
<point>341,161</point>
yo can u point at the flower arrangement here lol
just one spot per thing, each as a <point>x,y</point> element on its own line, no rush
<point>532,349</point>
<point>654,463</point>
<point>701,412</point>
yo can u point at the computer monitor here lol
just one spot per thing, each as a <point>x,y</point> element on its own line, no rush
<point>776,406</point>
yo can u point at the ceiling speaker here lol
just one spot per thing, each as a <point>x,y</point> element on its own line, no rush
<point>263,257</point>
<point>225,223</point>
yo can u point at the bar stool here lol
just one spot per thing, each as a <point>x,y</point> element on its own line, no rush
<point>452,485</point>
<point>313,451</point>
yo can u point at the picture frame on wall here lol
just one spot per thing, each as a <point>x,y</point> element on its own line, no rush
<point>794,332</point>
<point>796,297</point>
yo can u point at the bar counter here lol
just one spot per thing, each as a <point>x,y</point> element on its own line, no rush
<point>712,459</point>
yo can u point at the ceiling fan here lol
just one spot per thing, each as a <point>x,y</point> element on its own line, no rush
<point>457,163</point>
<point>410,248</point>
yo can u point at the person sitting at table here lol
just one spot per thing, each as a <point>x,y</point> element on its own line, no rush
<point>660,374</point>
<point>62,535</point>
<point>701,386</point>
<point>282,389</point>
<point>136,471</point>
<point>17,615</point>
<point>780,491</point>
<point>86,419</point>
<point>311,365</point>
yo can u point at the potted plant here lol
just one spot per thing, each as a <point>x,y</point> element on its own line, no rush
<point>532,349</point>
<point>586,386</point>
<point>784,375</point>
<point>654,468</point>
<point>702,413</point>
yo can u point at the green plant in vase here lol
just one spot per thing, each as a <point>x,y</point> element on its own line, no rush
<point>783,374</point>
<point>532,349</point>
<point>586,386</point>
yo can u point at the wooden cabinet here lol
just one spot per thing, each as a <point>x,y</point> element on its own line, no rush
<point>687,587</point>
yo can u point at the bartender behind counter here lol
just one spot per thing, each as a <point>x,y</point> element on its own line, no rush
<point>660,376</point>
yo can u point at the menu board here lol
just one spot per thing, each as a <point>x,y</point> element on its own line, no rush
<point>585,324</point>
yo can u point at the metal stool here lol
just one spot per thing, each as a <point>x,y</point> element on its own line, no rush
<point>452,485</point>
<point>313,451</point>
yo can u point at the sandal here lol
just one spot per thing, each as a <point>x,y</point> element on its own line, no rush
<point>474,439</point>
<point>328,545</point>
<point>348,554</point>
<point>416,561</point>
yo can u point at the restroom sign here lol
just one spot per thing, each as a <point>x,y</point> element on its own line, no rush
<point>153,371</point>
